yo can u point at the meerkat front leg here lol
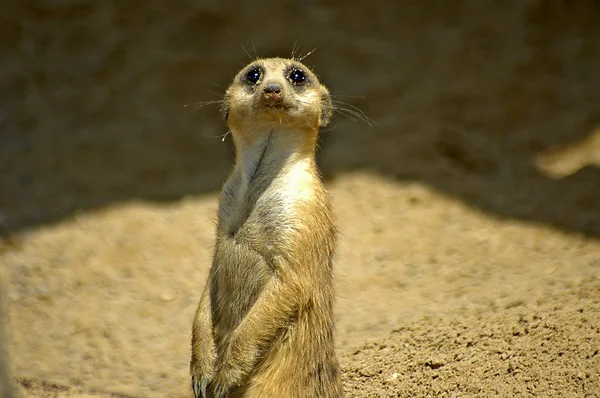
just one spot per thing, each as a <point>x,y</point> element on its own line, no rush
<point>203,347</point>
<point>278,301</point>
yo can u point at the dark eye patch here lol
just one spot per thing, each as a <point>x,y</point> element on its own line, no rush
<point>254,75</point>
<point>297,77</point>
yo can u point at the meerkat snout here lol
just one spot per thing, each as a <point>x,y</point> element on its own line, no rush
<point>272,88</point>
<point>272,94</point>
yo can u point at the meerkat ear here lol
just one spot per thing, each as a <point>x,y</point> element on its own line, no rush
<point>326,109</point>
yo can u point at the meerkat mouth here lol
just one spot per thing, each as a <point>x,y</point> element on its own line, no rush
<point>273,102</point>
<point>275,107</point>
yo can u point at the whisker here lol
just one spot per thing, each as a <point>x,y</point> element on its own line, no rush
<point>328,128</point>
<point>201,104</point>
<point>240,43</point>
<point>364,118</point>
<point>308,53</point>
<point>346,113</point>
<point>246,51</point>
<point>354,115</point>
<point>222,136</point>
<point>211,83</point>
<point>348,96</point>
<point>215,94</point>
<point>348,105</point>
<point>348,110</point>
<point>254,48</point>
<point>196,106</point>
<point>354,111</point>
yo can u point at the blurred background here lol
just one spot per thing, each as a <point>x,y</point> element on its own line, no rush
<point>480,174</point>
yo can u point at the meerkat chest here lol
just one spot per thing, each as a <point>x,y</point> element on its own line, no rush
<point>255,227</point>
<point>266,209</point>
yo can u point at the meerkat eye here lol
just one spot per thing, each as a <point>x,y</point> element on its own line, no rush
<point>297,77</point>
<point>254,75</point>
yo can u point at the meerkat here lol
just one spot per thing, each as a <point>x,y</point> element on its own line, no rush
<point>264,324</point>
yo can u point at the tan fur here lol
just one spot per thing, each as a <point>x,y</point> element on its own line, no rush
<point>6,387</point>
<point>264,324</point>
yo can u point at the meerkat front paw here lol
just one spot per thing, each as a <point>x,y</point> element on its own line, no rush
<point>233,366</point>
<point>225,379</point>
<point>220,392</point>
<point>202,368</point>
<point>200,386</point>
<point>201,379</point>
<point>229,374</point>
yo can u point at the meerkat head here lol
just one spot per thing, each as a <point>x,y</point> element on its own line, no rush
<point>276,93</point>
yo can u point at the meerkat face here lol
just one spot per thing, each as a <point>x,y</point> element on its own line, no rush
<point>276,92</point>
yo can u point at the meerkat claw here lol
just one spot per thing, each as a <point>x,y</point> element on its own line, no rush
<point>220,392</point>
<point>199,388</point>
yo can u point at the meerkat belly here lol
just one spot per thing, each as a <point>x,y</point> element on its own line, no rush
<point>241,260</point>
<point>240,274</point>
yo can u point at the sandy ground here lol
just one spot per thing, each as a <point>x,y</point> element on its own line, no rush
<point>469,256</point>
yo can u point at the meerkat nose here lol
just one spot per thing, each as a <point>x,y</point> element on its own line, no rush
<point>272,94</point>
<point>272,88</point>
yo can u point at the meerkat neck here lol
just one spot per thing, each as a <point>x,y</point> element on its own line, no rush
<point>272,149</point>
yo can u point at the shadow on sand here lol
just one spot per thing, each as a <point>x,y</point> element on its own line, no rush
<point>466,100</point>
